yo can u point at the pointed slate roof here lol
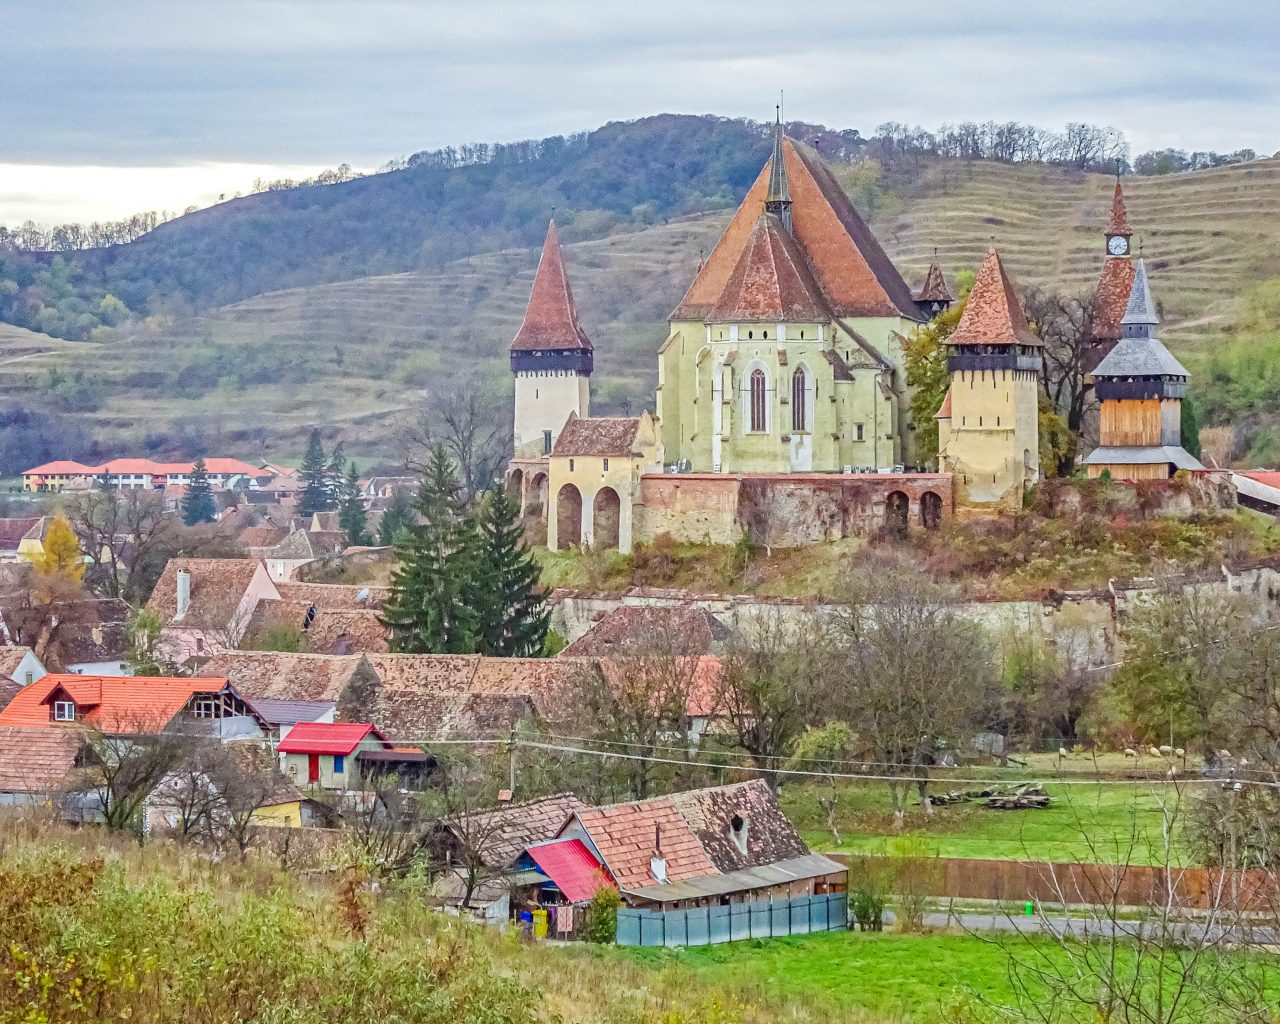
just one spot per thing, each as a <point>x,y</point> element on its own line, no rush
<point>551,319</point>
<point>853,273</point>
<point>992,314</point>
<point>1140,353</point>
<point>779,190</point>
<point>771,281</point>
<point>1119,221</point>
<point>934,288</point>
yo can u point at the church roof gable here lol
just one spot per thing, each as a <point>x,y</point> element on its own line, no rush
<point>551,318</point>
<point>853,273</point>
<point>770,282</point>
<point>992,314</point>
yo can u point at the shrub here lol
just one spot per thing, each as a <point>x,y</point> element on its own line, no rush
<point>600,920</point>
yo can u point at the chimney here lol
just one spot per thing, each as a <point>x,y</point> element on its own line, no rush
<point>658,863</point>
<point>184,592</point>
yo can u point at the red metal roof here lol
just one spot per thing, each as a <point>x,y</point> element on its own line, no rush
<point>551,319</point>
<point>569,864</point>
<point>339,738</point>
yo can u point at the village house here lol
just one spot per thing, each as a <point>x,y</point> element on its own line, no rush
<point>346,681</point>
<point>36,762</point>
<point>206,604</point>
<point>85,636</point>
<point>134,474</point>
<point>681,629</point>
<point>135,705</point>
<point>348,757</point>
<point>20,666</point>
<point>12,531</point>
<point>705,847</point>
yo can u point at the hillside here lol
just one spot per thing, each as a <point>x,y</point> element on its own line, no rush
<point>254,374</point>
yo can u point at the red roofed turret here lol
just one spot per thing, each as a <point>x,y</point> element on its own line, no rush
<point>551,318</point>
<point>1119,222</point>
<point>992,314</point>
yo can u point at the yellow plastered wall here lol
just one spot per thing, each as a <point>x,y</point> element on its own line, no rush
<point>992,441</point>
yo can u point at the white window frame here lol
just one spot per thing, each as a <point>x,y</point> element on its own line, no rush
<point>204,707</point>
<point>64,711</point>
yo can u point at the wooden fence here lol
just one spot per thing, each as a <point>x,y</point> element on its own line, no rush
<point>1097,884</point>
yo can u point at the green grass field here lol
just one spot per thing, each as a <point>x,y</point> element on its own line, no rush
<point>1104,822</point>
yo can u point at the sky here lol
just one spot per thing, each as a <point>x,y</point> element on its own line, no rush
<point>108,108</point>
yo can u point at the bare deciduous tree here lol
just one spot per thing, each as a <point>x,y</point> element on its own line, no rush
<point>118,527</point>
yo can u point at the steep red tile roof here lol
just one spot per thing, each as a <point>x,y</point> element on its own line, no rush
<point>63,467</point>
<point>217,587</point>
<point>13,530</point>
<point>334,595</point>
<point>113,703</point>
<point>286,676</point>
<point>770,837</point>
<point>551,319</point>
<point>505,831</point>
<point>935,287</point>
<point>1118,224</point>
<point>629,835</point>
<point>260,536</point>
<point>1111,297</point>
<point>568,863</point>
<point>771,282</point>
<point>944,412</point>
<point>851,269</point>
<point>597,435</point>
<point>36,759</point>
<point>682,629</point>
<point>992,314</point>
<point>339,738</point>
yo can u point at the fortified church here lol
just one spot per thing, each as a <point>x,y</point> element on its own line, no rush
<point>782,407</point>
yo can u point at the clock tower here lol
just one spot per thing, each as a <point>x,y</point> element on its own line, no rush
<point>1111,296</point>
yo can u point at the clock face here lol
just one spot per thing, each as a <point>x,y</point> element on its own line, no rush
<point>1117,245</point>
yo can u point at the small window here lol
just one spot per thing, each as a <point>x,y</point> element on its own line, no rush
<point>339,764</point>
<point>30,677</point>
<point>546,442</point>
<point>571,465</point>
<point>64,711</point>
<point>751,334</point>
<point>205,707</point>
<point>765,335</point>
<point>857,432</point>
<point>199,645</point>
<point>606,465</point>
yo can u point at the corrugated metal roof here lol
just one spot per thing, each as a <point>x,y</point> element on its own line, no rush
<point>339,738</point>
<point>795,869</point>
<point>289,712</point>
<point>1180,457</point>
<point>570,865</point>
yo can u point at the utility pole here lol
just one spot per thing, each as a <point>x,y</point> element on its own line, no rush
<point>511,763</point>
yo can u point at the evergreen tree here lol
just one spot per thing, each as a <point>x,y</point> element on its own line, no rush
<point>505,589</point>
<point>197,503</point>
<point>427,612</point>
<point>1190,427</point>
<point>335,484</point>
<point>351,511</point>
<point>315,478</point>
<point>397,517</point>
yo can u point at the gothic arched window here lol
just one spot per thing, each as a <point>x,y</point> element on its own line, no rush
<point>759,408</point>
<point>799,400</point>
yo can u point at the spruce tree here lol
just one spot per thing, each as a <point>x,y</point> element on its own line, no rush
<point>1190,427</point>
<point>397,517</point>
<point>335,483</point>
<point>197,503</point>
<point>505,589</point>
<point>427,612</point>
<point>315,478</point>
<point>352,517</point>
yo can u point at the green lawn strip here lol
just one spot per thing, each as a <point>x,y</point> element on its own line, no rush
<point>907,977</point>
<point>1096,823</point>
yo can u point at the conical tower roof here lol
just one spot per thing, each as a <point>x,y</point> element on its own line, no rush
<point>992,314</point>
<point>935,287</point>
<point>771,282</point>
<point>551,319</point>
<point>1142,307</point>
<point>850,268</point>
<point>1118,224</point>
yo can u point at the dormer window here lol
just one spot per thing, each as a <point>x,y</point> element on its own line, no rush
<point>64,711</point>
<point>738,826</point>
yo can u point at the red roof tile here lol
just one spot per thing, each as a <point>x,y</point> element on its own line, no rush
<point>63,467</point>
<point>551,319</point>
<point>771,282</point>
<point>1111,297</point>
<point>855,276</point>
<point>628,836</point>
<point>1118,224</point>
<point>113,703</point>
<point>934,288</point>
<point>944,412</point>
<point>597,435</point>
<point>339,738</point>
<point>992,313</point>
<point>36,760</point>
<point>569,864</point>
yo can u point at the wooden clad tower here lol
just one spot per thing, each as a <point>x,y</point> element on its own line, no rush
<point>988,426</point>
<point>551,358</point>
<point>1140,386</point>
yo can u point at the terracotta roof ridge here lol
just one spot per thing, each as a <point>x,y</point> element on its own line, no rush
<point>771,280</point>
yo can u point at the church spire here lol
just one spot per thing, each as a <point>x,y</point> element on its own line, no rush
<point>1140,315</point>
<point>778,199</point>
<point>1119,222</point>
<point>551,319</point>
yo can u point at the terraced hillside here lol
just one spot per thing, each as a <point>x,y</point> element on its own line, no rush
<point>256,374</point>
